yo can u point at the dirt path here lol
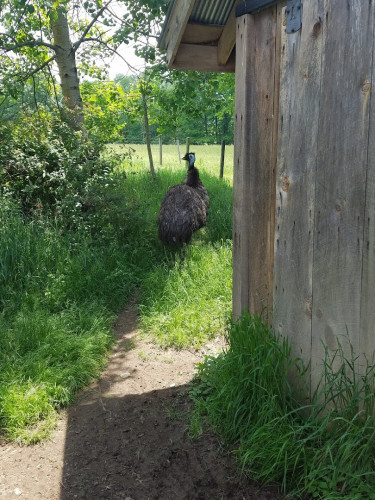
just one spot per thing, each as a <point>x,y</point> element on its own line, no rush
<point>126,438</point>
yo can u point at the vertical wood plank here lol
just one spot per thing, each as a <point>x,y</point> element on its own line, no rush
<point>341,176</point>
<point>300,77</point>
<point>253,161</point>
<point>367,338</point>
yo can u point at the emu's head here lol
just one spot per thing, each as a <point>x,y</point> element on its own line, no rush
<point>190,157</point>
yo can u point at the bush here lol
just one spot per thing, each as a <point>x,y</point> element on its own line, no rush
<point>44,163</point>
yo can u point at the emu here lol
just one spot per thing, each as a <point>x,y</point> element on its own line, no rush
<point>184,207</point>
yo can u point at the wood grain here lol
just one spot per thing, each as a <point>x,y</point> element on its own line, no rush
<point>176,27</point>
<point>341,177</point>
<point>254,161</point>
<point>228,38</point>
<point>295,183</point>
<point>201,58</point>
<point>367,327</point>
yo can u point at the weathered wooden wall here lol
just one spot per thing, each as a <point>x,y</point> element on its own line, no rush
<point>257,94</point>
<point>324,254</point>
<point>322,196</point>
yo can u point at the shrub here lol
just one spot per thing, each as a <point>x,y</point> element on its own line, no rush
<point>43,162</point>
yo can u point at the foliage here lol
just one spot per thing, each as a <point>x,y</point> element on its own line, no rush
<point>191,97</point>
<point>183,103</point>
<point>61,286</point>
<point>77,36</point>
<point>27,44</point>
<point>47,166</point>
<point>325,448</point>
<point>38,93</point>
<point>104,105</point>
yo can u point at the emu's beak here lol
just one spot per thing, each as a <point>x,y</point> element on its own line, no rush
<point>186,157</point>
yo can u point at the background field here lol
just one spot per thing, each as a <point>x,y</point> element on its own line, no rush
<point>207,157</point>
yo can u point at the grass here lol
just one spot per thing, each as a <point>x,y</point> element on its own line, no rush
<point>60,291</point>
<point>325,448</point>
<point>207,158</point>
<point>188,303</point>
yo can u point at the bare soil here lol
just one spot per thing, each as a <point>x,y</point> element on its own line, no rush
<point>127,437</point>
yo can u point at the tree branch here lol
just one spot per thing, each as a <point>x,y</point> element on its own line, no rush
<point>34,95</point>
<point>30,43</point>
<point>54,89</point>
<point>89,26</point>
<point>35,70</point>
<point>114,51</point>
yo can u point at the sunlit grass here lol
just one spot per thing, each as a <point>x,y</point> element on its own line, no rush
<point>189,302</point>
<point>324,447</point>
<point>207,158</point>
<point>60,291</point>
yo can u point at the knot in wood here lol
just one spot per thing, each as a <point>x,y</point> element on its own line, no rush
<point>366,87</point>
<point>285,184</point>
<point>317,28</point>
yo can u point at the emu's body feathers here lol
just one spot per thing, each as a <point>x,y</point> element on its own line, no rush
<point>182,212</point>
<point>184,208</point>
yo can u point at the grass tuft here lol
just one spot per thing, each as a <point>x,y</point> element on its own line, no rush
<point>325,448</point>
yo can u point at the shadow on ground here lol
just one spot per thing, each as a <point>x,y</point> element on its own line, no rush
<point>127,436</point>
<point>137,448</point>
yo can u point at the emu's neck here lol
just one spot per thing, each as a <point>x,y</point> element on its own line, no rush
<point>192,178</point>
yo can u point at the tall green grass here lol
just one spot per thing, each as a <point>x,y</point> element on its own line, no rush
<point>61,287</point>
<point>188,302</point>
<point>207,158</point>
<point>325,448</point>
<point>59,292</point>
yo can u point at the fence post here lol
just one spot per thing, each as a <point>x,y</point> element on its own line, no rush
<point>160,150</point>
<point>222,156</point>
<point>178,151</point>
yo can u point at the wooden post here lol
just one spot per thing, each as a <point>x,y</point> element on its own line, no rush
<point>256,113</point>
<point>160,150</point>
<point>178,151</point>
<point>222,156</point>
<point>342,169</point>
<point>295,180</point>
<point>325,224</point>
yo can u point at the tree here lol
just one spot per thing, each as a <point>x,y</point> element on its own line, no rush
<point>200,105</point>
<point>138,105</point>
<point>36,34</point>
<point>104,106</point>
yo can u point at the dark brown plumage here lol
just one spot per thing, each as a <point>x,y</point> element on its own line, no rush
<point>184,208</point>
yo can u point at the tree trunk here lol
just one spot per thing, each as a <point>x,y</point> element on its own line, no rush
<point>66,62</point>
<point>147,132</point>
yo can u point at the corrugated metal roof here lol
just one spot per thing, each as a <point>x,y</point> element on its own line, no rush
<point>211,12</point>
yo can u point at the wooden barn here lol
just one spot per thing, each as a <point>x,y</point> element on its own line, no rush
<point>304,161</point>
